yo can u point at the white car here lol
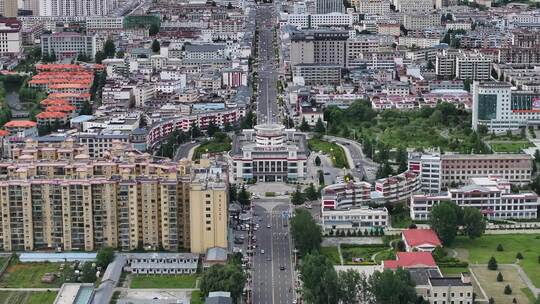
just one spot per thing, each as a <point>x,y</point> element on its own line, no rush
<point>262,251</point>
<point>268,226</point>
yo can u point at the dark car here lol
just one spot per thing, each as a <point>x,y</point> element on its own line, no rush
<point>281,267</point>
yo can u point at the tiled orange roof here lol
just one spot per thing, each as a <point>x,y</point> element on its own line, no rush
<point>54,101</point>
<point>48,115</point>
<point>56,67</point>
<point>70,86</point>
<point>65,108</point>
<point>3,133</point>
<point>69,95</point>
<point>20,124</point>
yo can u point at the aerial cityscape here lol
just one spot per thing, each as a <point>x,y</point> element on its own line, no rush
<point>269,151</point>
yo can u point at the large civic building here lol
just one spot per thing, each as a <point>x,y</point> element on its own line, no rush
<point>499,108</point>
<point>438,171</point>
<point>491,195</point>
<point>269,152</point>
<point>60,198</point>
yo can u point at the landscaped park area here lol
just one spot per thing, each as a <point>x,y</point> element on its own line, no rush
<point>335,152</point>
<point>476,253</point>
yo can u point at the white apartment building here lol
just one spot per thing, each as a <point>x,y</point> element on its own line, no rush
<point>374,7</point>
<point>329,6</point>
<point>299,20</point>
<point>492,196</point>
<point>69,44</point>
<point>360,218</point>
<point>437,171</point>
<point>76,7</point>
<point>420,21</point>
<point>101,22</point>
<point>458,25</point>
<point>331,19</point>
<point>421,42</point>
<point>398,187</point>
<point>463,65</point>
<point>143,92</point>
<point>345,195</point>
<point>10,36</point>
<point>473,66</point>
<point>406,6</point>
<point>356,47</point>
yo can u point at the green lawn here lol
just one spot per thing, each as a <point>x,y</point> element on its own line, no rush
<point>349,251</point>
<point>196,297</point>
<point>29,275</point>
<point>164,281</point>
<point>453,271</point>
<point>25,297</point>
<point>213,146</point>
<point>332,254</point>
<point>335,151</point>
<point>510,146</point>
<point>480,250</point>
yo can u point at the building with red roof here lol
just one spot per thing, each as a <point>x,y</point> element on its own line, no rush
<point>420,239</point>
<point>52,118</point>
<point>21,128</point>
<point>417,259</point>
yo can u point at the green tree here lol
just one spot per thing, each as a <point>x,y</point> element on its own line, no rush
<point>320,280</point>
<point>507,290</point>
<point>444,221</point>
<point>467,84</point>
<point>500,277</point>
<point>248,121</point>
<point>492,264</point>
<point>229,277</point>
<point>402,159</point>
<point>120,54</point>
<point>86,108</point>
<point>317,161</point>
<point>474,223</point>
<point>154,29</point>
<point>500,247</point>
<point>109,49</point>
<point>305,232</point>
<point>297,197</point>
<point>195,131</point>
<point>304,127</point>
<point>155,46</point>
<point>104,257</point>
<point>519,256</point>
<point>212,129</point>
<point>319,126</point>
<point>99,57</point>
<point>83,57</point>
<point>228,127</point>
<point>88,273</point>
<point>354,287</point>
<point>52,57</point>
<point>311,193</point>
<point>244,197</point>
<point>233,193</point>
<point>392,287</point>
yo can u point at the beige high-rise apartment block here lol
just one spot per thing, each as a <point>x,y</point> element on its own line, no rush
<point>125,200</point>
<point>208,211</point>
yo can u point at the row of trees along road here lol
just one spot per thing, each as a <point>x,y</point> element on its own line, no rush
<point>323,285</point>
